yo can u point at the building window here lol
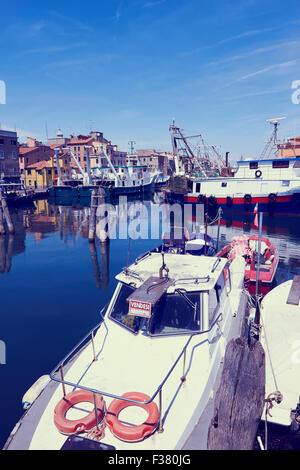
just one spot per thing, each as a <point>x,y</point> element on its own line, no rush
<point>253,165</point>
<point>1,141</point>
<point>280,164</point>
<point>1,154</point>
<point>14,154</point>
<point>29,172</point>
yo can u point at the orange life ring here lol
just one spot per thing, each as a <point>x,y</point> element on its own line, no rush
<point>68,426</point>
<point>132,433</point>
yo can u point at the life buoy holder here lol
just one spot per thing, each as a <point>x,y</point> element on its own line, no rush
<point>132,433</point>
<point>247,198</point>
<point>272,198</point>
<point>88,422</point>
<point>258,174</point>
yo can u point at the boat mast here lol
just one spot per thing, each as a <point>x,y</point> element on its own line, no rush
<point>272,143</point>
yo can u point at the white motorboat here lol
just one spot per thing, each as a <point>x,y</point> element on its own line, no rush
<point>150,365</point>
<point>280,317</point>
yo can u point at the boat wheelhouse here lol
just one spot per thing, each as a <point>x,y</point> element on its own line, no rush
<point>150,365</point>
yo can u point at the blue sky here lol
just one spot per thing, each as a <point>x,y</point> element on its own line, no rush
<point>219,67</point>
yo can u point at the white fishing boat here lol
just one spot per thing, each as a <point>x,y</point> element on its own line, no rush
<point>124,180</point>
<point>271,181</point>
<point>143,377</point>
<point>280,317</point>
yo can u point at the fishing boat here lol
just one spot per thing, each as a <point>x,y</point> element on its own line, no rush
<point>248,247</point>
<point>143,377</point>
<point>180,241</point>
<point>16,194</point>
<point>160,180</point>
<point>124,180</point>
<point>271,181</point>
<point>280,319</point>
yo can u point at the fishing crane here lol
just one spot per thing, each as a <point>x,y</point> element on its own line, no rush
<point>189,158</point>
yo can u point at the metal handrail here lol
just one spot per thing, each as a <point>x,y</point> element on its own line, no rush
<point>111,395</point>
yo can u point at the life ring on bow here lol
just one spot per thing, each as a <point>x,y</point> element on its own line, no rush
<point>272,198</point>
<point>247,198</point>
<point>132,433</point>
<point>88,422</point>
<point>258,174</point>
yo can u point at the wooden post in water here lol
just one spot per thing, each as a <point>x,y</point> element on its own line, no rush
<point>6,214</point>
<point>239,401</point>
<point>101,232</point>
<point>95,264</point>
<point>2,228</point>
<point>92,221</point>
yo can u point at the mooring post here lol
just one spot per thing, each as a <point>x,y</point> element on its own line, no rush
<point>101,232</point>
<point>2,228</point>
<point>7,214</point>
<point>239,401</point>
<point>92,221</point>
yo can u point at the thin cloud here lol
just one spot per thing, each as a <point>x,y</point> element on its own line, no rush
<point>153,4</point>
<point>254,52</point>
<point>267,69</point>
<point>118,12</point>
<point>72,21</point>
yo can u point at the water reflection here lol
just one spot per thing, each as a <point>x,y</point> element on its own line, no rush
<point>70,223</point>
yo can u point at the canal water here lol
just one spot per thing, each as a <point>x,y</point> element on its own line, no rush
<point>53,284</point>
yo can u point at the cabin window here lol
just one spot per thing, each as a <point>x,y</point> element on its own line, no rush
<point>280,164</point>
<point>119,312</point>
<point>198,186</point>
<point>177,313</point>
<point>253,165</point>
<point>1,154</point>
<point>224,185</point>
<point>285,182</point>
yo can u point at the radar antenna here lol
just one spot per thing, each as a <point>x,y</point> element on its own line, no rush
<point>272,143</point>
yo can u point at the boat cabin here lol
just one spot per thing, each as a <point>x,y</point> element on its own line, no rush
<point>269,176</point>
<point>185,301</point>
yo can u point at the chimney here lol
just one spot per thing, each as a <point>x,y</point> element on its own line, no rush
<point>227,159</point>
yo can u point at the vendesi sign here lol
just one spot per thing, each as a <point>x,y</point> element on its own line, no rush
<point>139,309</point>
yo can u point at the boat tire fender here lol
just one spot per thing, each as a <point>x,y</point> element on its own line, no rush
<point>132,433</point>
<point>68,426</point>
<point>247,198</point>
<point>212,201</point>
<point>229,201</point>
<point>272,198</point>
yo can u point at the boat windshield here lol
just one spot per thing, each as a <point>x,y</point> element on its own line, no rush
<point>120,309</point>
<point>177,313</point>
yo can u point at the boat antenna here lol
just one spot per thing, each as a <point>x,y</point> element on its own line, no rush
<point>219,221</point>
<point>128,254</point>
<point>163,267</point>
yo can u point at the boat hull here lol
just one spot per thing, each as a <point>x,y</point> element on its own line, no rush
<point>284,205</point>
